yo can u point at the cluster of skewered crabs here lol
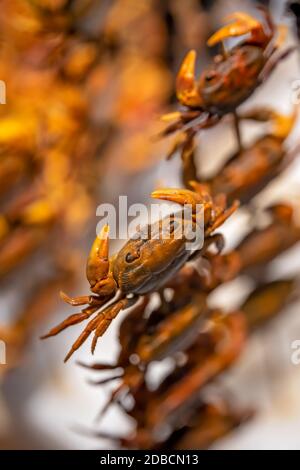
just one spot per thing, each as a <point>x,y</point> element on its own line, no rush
<point>202,342</point>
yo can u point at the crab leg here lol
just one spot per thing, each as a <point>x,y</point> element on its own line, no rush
<point>99,324</point>
<point>217,239</point>
<point>80,300</point>
<point>106,380</point>
<point>223,217</point>
<point>107,315</point>
<point>113,398</point>
<point>237,129</point>
<point>269,21</point>
<point>272,64</point>
<point>281,124</point>
<point>91,326</point>
<point>189,171</point>
<point>132,379</point>
<point>171,129</point>
<point>98,366</point>
<point>70,321</point>
<point>184,116</point>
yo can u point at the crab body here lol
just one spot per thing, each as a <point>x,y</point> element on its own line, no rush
<point>140,268</point>
<point>250,170</point>
<point>228,83</point>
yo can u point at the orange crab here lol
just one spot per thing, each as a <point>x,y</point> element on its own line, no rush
<point>144,264</point>
<point>232,78</point>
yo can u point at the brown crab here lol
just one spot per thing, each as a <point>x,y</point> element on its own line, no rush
<point>145,263</point>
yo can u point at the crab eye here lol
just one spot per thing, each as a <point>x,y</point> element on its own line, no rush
<point>130,257</point>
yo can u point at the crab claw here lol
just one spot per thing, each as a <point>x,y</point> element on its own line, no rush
<point>186,86</point>
<point>283,124</point>
<point>241,23</point>
<point>98,263</point>
<point>180,196</point>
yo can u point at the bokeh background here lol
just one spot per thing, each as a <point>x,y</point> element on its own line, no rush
<point>86,82</point>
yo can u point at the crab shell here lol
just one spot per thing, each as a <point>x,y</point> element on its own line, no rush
<point>250,171</point>
<point>227,84</point>
<point>146,263</point>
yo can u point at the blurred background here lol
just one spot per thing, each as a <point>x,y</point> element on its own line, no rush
<point>86,82</point>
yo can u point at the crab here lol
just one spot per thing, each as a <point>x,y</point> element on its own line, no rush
<point>176,402</point>
<point>268,300</point>
<point>235,74</point>
<point>144,264</point>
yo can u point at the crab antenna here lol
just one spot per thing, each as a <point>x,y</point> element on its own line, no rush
<point>282,125</point>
